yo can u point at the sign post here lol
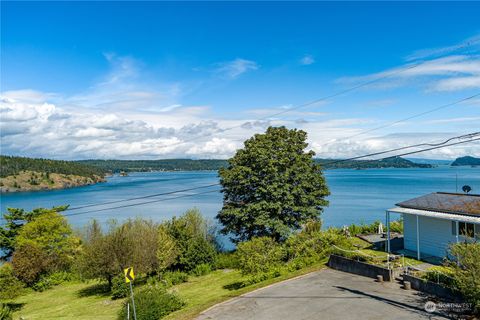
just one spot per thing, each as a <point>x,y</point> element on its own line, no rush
<point>129,276</point>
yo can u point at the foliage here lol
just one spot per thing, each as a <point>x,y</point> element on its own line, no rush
<point>226,260</point>
<point>172,278</point>
<point>441,274</point>
<point>392,162</point>
<point>167,252</point>
<point>119,288</point>
<point>466,161</point>
<point>10,286</point>
<point>117,166</point>
<point>15,219</point>
<point>44,245</point>
<point>105,255</point>
<point>5,312</point>
<point>10,166</point>
<point>259,255</point>
<point>153,302</point>
<point>467,271</point>
<point>193,242</point>
<point>48,281</point>
<point>202,269</point>
<point>271,186</point>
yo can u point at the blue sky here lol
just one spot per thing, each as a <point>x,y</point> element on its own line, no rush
<point>140,80</point>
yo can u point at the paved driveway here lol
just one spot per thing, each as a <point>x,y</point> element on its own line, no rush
<point>326,294</point>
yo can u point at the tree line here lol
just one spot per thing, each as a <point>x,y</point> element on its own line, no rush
<point>10,166</point>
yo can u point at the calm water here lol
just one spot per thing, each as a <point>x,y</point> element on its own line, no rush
<point>357,195</point>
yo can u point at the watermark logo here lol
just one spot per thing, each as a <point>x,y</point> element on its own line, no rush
<point>430,306</point>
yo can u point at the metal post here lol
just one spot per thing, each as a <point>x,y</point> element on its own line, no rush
<point>418,241</point>
<point>388,231</point>
<point>457,227</point>
<point>133,302</point>
<point>128,311</point>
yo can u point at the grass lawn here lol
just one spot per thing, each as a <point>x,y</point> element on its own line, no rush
<point>88,301</point>
<point>68,301</point>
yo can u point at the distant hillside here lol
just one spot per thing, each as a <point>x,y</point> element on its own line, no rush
<point>395,162</point>
<point>117,166</point>
<point>466,161</point>
<point>29,174</point>
<point>431,161</point>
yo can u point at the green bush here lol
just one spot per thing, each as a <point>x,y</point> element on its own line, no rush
<point>47,281</point>
<point>120,288</point>
<point>259,255</point>
<point>226,260</point>
<point>5,312</point>
<point>153,302</point>
<point>442,275</point>
<point>202,269</point>
<point>10,286</point>
<point>174,277</point>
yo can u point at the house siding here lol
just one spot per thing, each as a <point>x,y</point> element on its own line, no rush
<point>435,235</point>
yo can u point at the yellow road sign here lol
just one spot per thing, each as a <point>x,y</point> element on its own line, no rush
<point>129,276</point>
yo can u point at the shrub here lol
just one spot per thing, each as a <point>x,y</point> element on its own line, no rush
<point>120,289</point>
<point>202,269</point>
<point>10,286</point>
<point>226,260</point>
<point>439,274</point>
<point>259,255</point>
<point>47,281</point>
<point>174,277</point>
<point>196,251</point>
<point>5,312</point>
<point>153,302</point>
<point>466,271</point>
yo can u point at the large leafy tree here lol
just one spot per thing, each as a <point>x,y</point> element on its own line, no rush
<point>15,219</point>
<point>272,186</point>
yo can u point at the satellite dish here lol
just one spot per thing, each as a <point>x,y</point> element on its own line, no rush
<point>466,188</point>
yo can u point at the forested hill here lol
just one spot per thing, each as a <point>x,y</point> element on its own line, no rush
<point>10,166</point>
<point>116,166</point>
<point>466,161</point>
<point>27,174</point>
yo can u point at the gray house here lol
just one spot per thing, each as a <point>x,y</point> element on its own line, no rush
<point>434,221</point>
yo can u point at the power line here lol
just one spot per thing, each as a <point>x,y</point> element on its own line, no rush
<point>469,135</point>
<point>143,197</point>
<point>141,203</point>
<point>434,146</point>
<point>404,119</point>
<point>325,98</point>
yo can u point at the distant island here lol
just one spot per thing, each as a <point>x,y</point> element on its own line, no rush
<point>466,161</point>
<point>29,174</point>
<point>117,166</point>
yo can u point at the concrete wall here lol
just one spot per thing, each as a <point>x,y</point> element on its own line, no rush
<point>435,235</point>
<point>360,268</point>
<point>431,288</point>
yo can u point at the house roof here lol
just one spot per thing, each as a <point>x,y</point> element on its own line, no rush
<point>438,215</point>
<point>443,202</point>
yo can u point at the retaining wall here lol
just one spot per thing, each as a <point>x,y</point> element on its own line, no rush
<point>360,268</point>
<point>432,288</point>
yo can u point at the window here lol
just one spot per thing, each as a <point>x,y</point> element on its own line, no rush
<point>466,229</point>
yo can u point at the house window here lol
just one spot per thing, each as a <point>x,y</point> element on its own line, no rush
<point>466,229</point>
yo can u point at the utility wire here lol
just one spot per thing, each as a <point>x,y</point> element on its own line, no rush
<point>325,98</point>
<point>434,146</point>
<point>141,203</point>
<point>143,197</point>
<point>390,124</point>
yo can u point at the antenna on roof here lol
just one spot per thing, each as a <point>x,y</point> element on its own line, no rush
<point>466,188</point>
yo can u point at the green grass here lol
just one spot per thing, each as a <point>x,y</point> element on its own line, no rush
<point>67,301</point>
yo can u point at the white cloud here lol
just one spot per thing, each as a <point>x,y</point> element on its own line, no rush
<point>450,73</point>
<point>472,43</point>
<point>233,69</point>
<point>307,60</point>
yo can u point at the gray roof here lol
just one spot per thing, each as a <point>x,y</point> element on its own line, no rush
<point>457,203</point>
